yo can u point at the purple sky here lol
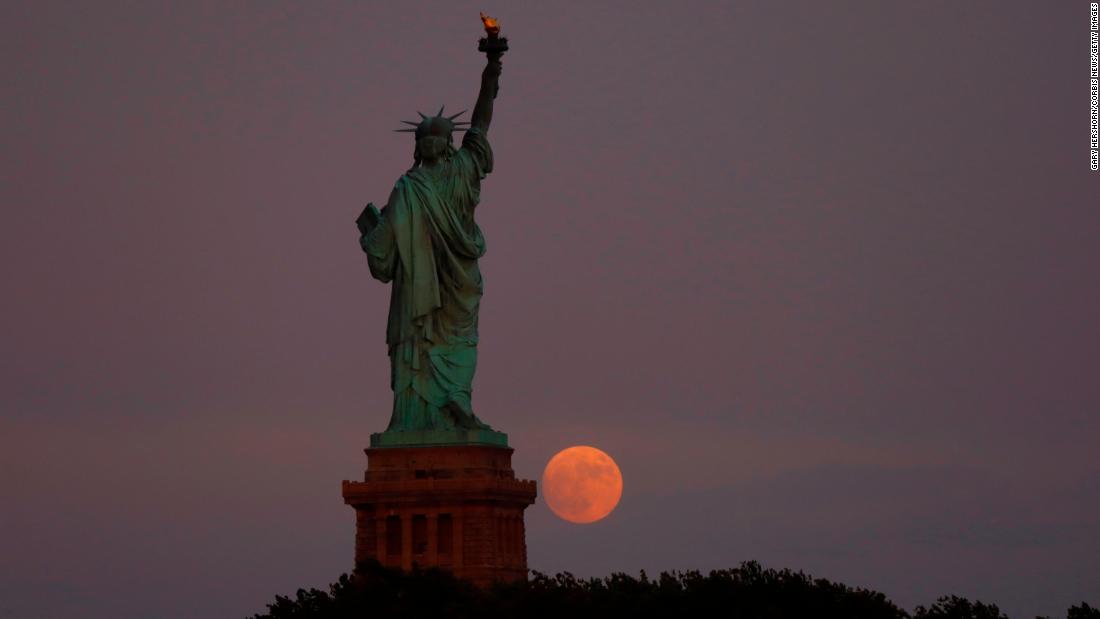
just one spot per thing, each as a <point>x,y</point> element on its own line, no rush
<point>821,278</point>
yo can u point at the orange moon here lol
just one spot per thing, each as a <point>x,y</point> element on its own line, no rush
<point>582,484</point>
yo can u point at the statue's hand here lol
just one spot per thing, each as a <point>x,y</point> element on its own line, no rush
<point>494,63</point>
<point>368,219</point>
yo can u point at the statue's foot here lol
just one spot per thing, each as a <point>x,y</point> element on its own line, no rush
<point>477,424</point>
<point>464,418</point>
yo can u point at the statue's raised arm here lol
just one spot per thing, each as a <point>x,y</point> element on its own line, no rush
<point>483,109</point>
<point>494,47</point>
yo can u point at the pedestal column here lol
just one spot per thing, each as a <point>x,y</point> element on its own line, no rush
<point>473,485</point>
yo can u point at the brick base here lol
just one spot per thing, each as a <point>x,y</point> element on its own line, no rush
<point>459,508</point>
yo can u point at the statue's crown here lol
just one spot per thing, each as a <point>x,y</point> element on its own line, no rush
<point>438,125</point>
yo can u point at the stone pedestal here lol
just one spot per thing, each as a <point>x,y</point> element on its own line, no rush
<point>455,507</point>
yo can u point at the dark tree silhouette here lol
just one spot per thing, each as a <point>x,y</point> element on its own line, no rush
<point>746,592</point>
<point>1084,611</point>
<point>954,607</point>
<point>749,592</point>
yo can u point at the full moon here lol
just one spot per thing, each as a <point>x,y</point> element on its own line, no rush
<point>582,484</point>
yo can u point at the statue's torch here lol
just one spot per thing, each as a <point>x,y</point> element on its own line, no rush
<point>492,43</point>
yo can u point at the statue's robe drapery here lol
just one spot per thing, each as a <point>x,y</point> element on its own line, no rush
<point>427,243</point>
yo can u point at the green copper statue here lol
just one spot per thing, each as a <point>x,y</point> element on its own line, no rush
<point>426,242</point>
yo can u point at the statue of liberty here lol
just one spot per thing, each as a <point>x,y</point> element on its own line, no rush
<point>426,242</point>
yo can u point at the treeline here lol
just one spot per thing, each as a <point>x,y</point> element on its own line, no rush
<point>746,592</point>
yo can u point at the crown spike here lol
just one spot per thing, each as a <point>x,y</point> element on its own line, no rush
<point>451,118</point>
<point>409,122</point>
<point>422,116</point>
<point>405,130</point>
<point>440,113</point>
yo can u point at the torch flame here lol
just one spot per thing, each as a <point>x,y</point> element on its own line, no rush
<point>492,26</point>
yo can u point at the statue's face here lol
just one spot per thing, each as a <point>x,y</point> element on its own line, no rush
<point>433,136</point>
<point>431,147</point>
